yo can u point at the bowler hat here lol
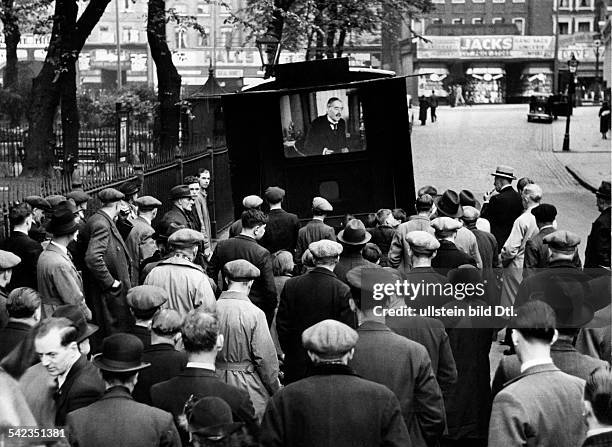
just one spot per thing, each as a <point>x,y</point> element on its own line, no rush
<point>448,204</point>
<point>211,418</point>
<point>604,190</point>
<point>75,314</point>
<point>504,171</point>
<point>62,222</point>
<point>121,353</point>
<point>467,198</point>
<point>354,233</point>
<point>179,192</point>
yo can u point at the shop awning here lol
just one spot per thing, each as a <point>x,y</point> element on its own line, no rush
<point>485,70</point>
<point>441,71</point>
<point>532,70</point>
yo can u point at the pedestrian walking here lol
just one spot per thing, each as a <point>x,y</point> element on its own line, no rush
<point>604,120</point>
<point>433,104</point>
<point>423,106</point>
<point>597,252</point>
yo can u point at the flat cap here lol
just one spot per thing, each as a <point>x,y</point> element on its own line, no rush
<point>8,260</point>
<point>445,224</point>
<point>325,249</point>
<point>330,339</point>
<point>191,179</point>
<point>167,321</point>
<point>428,189</point>
<point>470,214</point>
<point>274,194</point>
<point>79,196</point>
<point>185,237</point>
<point>240,270</point>
<point>321,204</point>
<point>179,192</point>
<point>252,201</point>
<point>54,199</point>
<point>544,212</point>
<point>563,241</point>
<point>422,242</point>
<point>37,202</point>
<point>130,187</point>
<point>146,297</point>
<point>147,202</point>
<point>110,195</point>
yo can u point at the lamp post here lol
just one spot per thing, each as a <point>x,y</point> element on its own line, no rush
<point>269,51</point>
<point>118,45</point>
<point>596,95</point>
<point>572,65</point>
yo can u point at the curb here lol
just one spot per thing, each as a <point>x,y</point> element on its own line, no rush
<point>580,178</point>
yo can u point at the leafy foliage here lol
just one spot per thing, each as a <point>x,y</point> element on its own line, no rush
<point>100,111</point>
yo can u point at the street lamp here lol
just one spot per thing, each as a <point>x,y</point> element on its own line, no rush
<point>269,51</point>
<point>596,96</point>
<point>572,65</point>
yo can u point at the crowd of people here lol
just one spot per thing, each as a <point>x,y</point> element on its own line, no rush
<point>125,328</point>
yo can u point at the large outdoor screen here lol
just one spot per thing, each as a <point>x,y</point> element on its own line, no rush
<point>322,123</point>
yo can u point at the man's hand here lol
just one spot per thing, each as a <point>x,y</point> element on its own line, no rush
<point>488,195</point>
<point>207,253</point>
<point>327,151</point>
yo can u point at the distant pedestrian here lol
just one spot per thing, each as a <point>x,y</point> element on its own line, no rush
<point>423,106</point>
<point>604,120</point>
<point>433,104</point>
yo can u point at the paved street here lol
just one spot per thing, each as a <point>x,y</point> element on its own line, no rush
<point>464,146</point>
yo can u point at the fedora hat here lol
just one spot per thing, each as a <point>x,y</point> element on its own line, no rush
<point>75,314</point>
<point>62,221</point>
<point>449,204</point>
<point>504,171</point>
<point>604,190</point>
<point>121,353</point>
<point>467,198</point>
<point>354,233</point>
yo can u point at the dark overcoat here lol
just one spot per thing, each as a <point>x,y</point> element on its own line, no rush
<point>12,334</point>
<point>321,136</point>
<point>166,363</point>
<point>349,259</point>
<point>306,300</point>
<point>107,260</point>
<point>449,257</point>
<point>24,273</point>
<point>501,212</point>
<point>404,367</point>
<point>597,252</point>
<point>118,420</point>
<point>313,231</point>
<point>281,231</point>
<point>536,253</point>
<point>179,217</point>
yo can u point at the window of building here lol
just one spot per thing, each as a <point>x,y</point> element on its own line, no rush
<point>106,35</point>
<point>497,20</point>
<point>478,1</point>
<point>437,21</point>
<point>204,39</point>
<point>129,35</point>
<point>127,4</point>
<point>437,1</point>
<point>564,28</point>
<point>520,24</point>
<point>584,27</point>
<point>585,4</point>
<point>499,1</point>
<point>457,1</point>
<point>457,21</point>
<point>203,9</point>
<point>564,4</point>
<point>180,37</point>
<point>477,21</point>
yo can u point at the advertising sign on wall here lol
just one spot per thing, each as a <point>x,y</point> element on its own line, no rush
<point>486,47</point>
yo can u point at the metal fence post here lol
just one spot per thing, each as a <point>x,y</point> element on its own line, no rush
<point>178,158</point>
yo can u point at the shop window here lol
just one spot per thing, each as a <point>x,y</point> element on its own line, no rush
<point>564,28</point>
<point>584,27</point>
<point>477,21</point>
<point>457,21</point>
<point>564,4</point>
<point>520,24</point>
<point>498,20</point>
<point>180,38</point>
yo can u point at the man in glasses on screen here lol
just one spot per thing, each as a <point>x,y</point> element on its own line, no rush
<point>327,134</point>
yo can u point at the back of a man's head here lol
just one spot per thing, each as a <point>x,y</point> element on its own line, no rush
<point>23,302</point>
<point>252,218</point>
<point>19,213</point>
<point>535,321</point>
<point>424,203</point>
<point>533,193</point>
<point>200,331</point>
<point>598,392</point>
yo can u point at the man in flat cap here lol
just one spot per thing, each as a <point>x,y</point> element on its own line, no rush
<point>163,251</point>
<point>307,299</point>
<point>180,213</point>
<point>251,202</point>
<point>144,301</point>
<point>282,228</point>
<point>542,406</point>
<point>403,365</point>
<point>127,213</point>
<point>59,282</point>
<point>24,310</point>
<point>245,246</point>
<point>316,229</point>
<point>80,199</point>
<point>163,353</point>
<point>140,242</point>
<point>19,243</point>
<point>186,283</point>
<point>597,252</point>
<point>107,276</point>
<point>8,261</point>
<point>248,358</point>
<point>536,251</point>
<point>297,413</point>
<point>448,256</point>
<point>119,419</point>
<point>39,207</point>
<point>503,205</point>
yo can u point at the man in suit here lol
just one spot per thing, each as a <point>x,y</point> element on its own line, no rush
<point>448,256</point>
<point>201,205</point>
<point>24,310</point>
<point>8,261</point>
<point>596,339</point>
<point>363,412</point>
<point>108,266</point>
<point>59,282</point>
<point>245,246</point>
<point>598,408</point>
<point>282,228</point>
<point>140,243</point>
<point>327,133</point>
<point>20,218</point>
<point>250,202</point>
<point>119,420</point>
<point>39,207</point>
<point>180,213</point>
<point>78,381</point>
<point>502,209</point>
<point>316,229</point>
<point>597,252</point>
<point>353,238</point>
<point>403,365</point>
<point>305,300</point>
<point>542,406</point>
<point>144,301</point>
<point>202,342</point>
<point>166,361</point>
<point>536,251</point>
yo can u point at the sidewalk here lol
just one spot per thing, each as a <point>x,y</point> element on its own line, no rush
<point>589,157</point>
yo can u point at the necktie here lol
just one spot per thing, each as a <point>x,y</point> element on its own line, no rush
<point>334,126</point>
